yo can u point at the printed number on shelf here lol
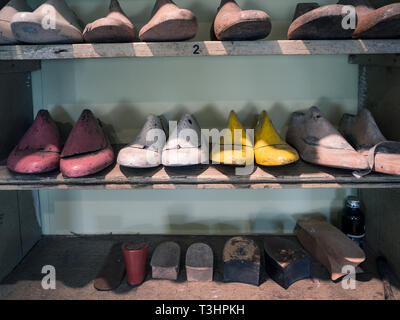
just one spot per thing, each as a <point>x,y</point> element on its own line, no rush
<point>196,49</point>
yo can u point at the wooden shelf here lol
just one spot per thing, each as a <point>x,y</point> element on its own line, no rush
<point>299,175</point>
<point>78,259</point>
<point>199,48</point>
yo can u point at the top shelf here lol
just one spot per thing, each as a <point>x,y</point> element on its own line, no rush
<point>199,48</point>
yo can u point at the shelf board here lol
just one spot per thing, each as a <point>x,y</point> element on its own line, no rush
<point>298,175</point>
<point>78,259</point>
<point>199,48</point>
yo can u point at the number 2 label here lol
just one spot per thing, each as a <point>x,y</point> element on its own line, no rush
<point>196,49</point>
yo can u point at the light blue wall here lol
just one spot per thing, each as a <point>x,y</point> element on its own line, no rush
<point>185,211</point>
<point>121,92</point>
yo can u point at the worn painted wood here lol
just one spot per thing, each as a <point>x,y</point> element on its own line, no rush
<point>19,230</point>
<point>199,262</point>
<point>388,60</point>
<point>19,66</point>
<point>385,274</point>
<point>378,91</point>
<point>298,175</point>
<point>286,261</point>
<point>241,257</point>
<point>381,208</point>
<point>31,231</point>
<point>329,246</point>
<point>10,237</point>
<point>112,271</point>
<point>165,261</point>
<point>199,48</point>
<point>16,110</point>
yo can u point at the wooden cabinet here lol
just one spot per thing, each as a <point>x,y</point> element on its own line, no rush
<point>379,78</point>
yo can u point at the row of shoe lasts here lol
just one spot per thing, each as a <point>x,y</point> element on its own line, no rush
<point>168,23</point>
<point>286,261</point>
<point>270,149</point>
<point>87,149</point>
<point>359,145</point>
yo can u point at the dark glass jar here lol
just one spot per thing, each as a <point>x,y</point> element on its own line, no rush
<point>353,220</point>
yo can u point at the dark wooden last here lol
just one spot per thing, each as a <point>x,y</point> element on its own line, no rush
<point>312,22</point>
<point>113,270</point>
<point>241,261</point>
<point>285,261</point>
<point>199,262</point>
<point>165,261</point>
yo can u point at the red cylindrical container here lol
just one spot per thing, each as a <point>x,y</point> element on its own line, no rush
<point>135,255</point>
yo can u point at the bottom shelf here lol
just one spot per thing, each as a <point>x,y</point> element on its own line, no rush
<point>77,260</point>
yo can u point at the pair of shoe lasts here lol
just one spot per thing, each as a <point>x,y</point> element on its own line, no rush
<point>19,24</point>
<point>151,148</point>
<point>170,23</point>
<point>86,151</point>
<point>269,150</point>
<point>319,142</point>
<point>312,22</point>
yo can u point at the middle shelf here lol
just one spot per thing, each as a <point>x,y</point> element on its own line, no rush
<point>199,48</point>
<point>297,175</point>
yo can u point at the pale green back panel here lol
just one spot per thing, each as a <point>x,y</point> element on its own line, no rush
<point>185,211</point>
<point>122,92</point>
